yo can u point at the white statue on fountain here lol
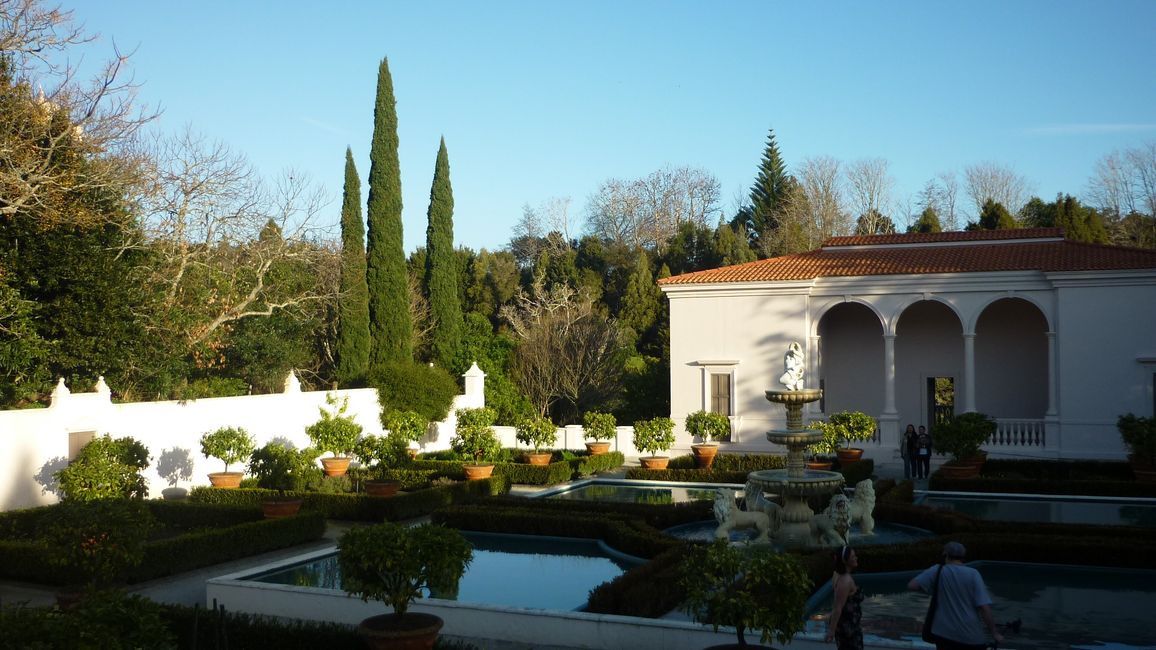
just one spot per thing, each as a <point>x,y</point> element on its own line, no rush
<point>730,517</point>
<point>793,365</point>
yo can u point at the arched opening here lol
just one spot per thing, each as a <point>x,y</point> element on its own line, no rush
<point>928,363</point>
<point>851,359</point>
<point>1011,360</point>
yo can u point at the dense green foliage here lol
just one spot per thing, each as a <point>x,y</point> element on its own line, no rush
<point>106,468</point>
<point>97,542</point>
<point>390,325</point>
<point>1080,222</point>
<point>280,467</point>
<point>962,435</point>
<point>994,216</point>
<point>654,435</point>
<point>708,425</point>
<point>408,386</point>
<point>441,268</point>
<point>353,342</point>
<point>536,432</point>
<point>1139,435</point>
<point>598,426</point>
<point>928,222</point>
<point>474,435</point>
<point>761,216</point>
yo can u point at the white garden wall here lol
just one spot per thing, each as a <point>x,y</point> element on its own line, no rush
<point>35,443</point>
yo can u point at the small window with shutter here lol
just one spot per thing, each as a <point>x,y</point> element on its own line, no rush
<point>720,393</point>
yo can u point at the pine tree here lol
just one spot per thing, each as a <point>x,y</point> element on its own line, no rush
<point>389,318</point>
<point>352,350</point>
<point>441,267</point>
<point>642,300</point>
<point>766,198</point>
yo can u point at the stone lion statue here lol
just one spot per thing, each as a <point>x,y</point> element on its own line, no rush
<point>756,501</point>
<point>830,527</point>
<point>730,517</point>
<point>863,506</point>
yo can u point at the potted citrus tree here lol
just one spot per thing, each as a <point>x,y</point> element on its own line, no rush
<point>961,437</point>
<point>1139,436</point>
<point>406,425</point>
<point>652,436</point>
<point>229,445</point>
<point>598,429</point>
<point>538,433</point>
<point>710,427</point>
<point>750,588</point>
<point>848,427</point>
<point>474,438</point>
<point>393,564</point>
<point>336,433</point>
<point>277,466</point>
<point>821,454</point>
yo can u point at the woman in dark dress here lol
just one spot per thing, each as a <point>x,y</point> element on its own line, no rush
<point>843,627</point>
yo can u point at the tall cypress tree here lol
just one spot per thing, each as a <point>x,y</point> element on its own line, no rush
<point>390,326</point>
<point>441,266</point>
<point>353,311</point>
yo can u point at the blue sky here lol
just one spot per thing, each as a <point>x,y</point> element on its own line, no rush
<point>548,99</point>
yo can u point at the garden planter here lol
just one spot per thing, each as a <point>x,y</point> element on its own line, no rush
<point>475,472</point>
<point>820,464</point>
<point>955,469</point>
<point>229,480</point>
<point>654,462</point>
<point>382,488</point>
<point>849,455</point>
<point>704,454</point>
<point>336,465</point>
<point>280,507</point>
<point>539,459</point>
<point>597,448</point>
<point>1144,471</point>
<point>174,494</point>
<point>414,631</point>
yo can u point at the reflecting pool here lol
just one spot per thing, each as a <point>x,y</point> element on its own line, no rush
<point>511,570</point>
<point>638,492</point>
<point>1099,511</point>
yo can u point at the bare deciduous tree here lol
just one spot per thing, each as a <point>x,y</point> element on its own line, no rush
<point>567,350</point>
<point>647,211</point>
<point>1124,182</point>
<point>220,237</point>
<point>999,183</point>
<point>869,188</point>
<point>48,116</point>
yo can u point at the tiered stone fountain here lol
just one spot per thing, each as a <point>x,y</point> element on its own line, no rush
<point>796,484</point>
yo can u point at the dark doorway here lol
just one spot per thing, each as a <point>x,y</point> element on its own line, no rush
<point>940,400</point>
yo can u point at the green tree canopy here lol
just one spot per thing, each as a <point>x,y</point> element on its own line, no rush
<point>441,267</point>
<point>353,343</point>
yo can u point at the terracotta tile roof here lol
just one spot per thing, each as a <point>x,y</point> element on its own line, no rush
<point>932,253</point>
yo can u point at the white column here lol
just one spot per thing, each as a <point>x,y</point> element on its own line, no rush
<point>889,374</point>
<point>1051,374</point>
<point>969,372</point>
<point>812,376</point>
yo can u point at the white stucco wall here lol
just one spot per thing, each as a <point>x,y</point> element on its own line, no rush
<point>1102,325</point>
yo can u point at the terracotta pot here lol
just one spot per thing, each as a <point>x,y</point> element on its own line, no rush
<point>1144,471</point>
<point>978,459</point>
<point>597,448</point>
<point>816,464</point>
<point>382,488</point>
<point>336,465</point>
<point>414,631</point>
<point>849,455</point>
<point>654,462</point>
<point>705,454</point>
<point>276,508</point>
<point>539,459</point>
<point>955,469</point>
<point>474,472</point>
<point>227,480</point>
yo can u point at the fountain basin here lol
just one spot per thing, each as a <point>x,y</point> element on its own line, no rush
<point>810,483</point>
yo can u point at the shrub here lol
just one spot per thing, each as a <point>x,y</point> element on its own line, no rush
<point>393,563</point>
<point>708,425</point>
<point>474,436</point>
<point>99,541</point>
<point>405,385</point>
<point>654,435</point>
<point>538,432</point>
<point>335,432</point>
<point>846,427</point>
<point>1139,435</point>
<point>379,453</point>
<point>961,436</point>
<point>106,468</point>
<point>278,467</point>
<point>406,425</point>
<point>598,426</point>
<point>228,444</point>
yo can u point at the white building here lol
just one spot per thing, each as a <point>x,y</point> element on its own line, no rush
<point>1051,337</point>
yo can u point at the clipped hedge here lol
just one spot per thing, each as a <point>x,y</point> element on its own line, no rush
<point>26,559</point>
<point>360,507</point>
<point>556,472</point>
<point>648,591</point>
<point>584,464</point>
<point>1091,478</point>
